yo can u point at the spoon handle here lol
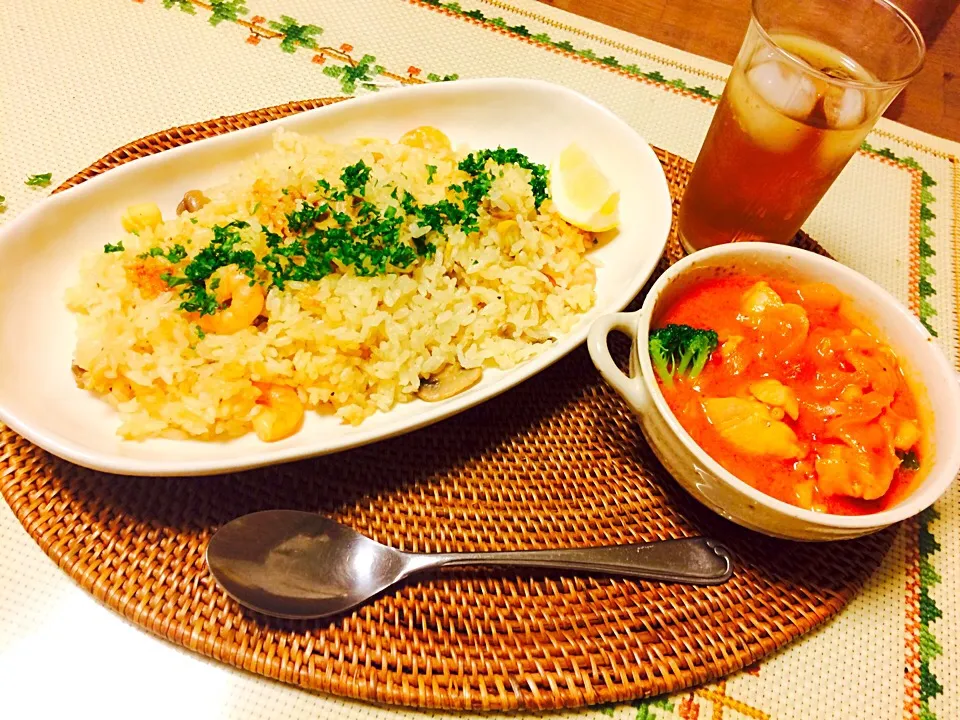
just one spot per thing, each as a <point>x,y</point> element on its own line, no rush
<point>699,561</point>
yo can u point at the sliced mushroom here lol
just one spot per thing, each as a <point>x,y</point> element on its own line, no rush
<point>192,201</point>
<point>450,381</point>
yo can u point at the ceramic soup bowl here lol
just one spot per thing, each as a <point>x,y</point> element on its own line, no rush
<point>933,381</point>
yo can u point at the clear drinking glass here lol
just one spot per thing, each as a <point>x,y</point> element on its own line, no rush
<point>810,81</point>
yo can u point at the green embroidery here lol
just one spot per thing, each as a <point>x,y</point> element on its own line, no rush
<point>928,546</point>
<point>229,10</point>
<point>184,5</point>
<point>361,74</point>
<point>925,288</point>
<point>567,46</point>
<point>645,708</point>
<point>294,34</point>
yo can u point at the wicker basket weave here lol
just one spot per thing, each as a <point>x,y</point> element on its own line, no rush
<point>558,461</point>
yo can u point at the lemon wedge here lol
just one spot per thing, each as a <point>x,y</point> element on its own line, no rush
<point>581,193</point>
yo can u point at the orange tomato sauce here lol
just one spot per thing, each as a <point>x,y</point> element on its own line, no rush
<point>853,406</point>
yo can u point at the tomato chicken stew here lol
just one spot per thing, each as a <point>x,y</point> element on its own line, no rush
<point>782,385</point>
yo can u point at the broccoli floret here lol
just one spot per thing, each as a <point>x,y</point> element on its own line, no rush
<point>681,349</point>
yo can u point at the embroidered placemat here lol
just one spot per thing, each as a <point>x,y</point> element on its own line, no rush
<point>557,463</point>
<point>893,652</point>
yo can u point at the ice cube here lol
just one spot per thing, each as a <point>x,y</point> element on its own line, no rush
<point>844,108</point>
<point>789,91</point>
<point>764,54</point>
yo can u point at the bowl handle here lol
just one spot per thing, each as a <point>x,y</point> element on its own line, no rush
<point>631,388</point>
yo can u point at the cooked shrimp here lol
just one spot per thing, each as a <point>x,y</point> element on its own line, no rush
<point>280,414</point>
<point>245,303</point>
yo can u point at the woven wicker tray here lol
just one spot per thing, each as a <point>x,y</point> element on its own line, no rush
<point>558,461</point>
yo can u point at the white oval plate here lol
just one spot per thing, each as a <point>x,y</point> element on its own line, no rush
<point>40,257</point>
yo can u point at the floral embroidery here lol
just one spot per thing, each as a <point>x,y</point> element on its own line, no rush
<point>292,35</point>
<point>568,47</point>
<point>295,35</point>
<point>229,10</point>
<point>930,687</point>
<point>926,311</point>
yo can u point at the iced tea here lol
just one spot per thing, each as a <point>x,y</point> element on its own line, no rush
<point>793,113</point>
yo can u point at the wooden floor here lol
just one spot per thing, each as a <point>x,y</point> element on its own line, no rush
<point>714,29</point>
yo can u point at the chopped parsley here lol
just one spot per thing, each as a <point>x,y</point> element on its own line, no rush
<point>306,217</point>
<point>109,248</point>
<point>226,248</point>
<point>174,255</point>
<point>200,333</point>
<point>355,178</point>
<point>193,220</point>
<point>3,201</point>
<point>319,239</point>
<point>255,208</point>
<point>475,165</point>
<point>372,247</point>
<point>41,180</point>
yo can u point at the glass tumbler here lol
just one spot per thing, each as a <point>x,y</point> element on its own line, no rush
<point>811,79</point>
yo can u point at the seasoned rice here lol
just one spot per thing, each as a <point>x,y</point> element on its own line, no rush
<point>348,344</point>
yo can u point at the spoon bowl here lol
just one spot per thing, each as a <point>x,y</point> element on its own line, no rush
<point>294,564</point>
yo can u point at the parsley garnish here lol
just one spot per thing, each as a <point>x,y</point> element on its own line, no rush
<point>223,250</point>
<point>41,180</point>
<point>200,333</point>
<point>355,178</point>
<point>366,239</point>
<point>255,208</point>
<point>176,254</point>
<point>306,217</point>
<point>108,248</point>
<point>193,220</point>
<point>475,165</point>
<point>371,247</point>
<point>173,255</point>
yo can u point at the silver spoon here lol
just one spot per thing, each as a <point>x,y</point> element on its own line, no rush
<point>294,564</point>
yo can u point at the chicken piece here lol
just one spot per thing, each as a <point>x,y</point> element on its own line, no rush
<point>907,435</point>
<point>851,393</point>
<point>803,494</point>
<point>757,299</point>
<point>749,426</point>
<point>783,328</point>
<point>843,470</point>
<point>820,295</point>
<point>775,393</point>
<point>733,355</point>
